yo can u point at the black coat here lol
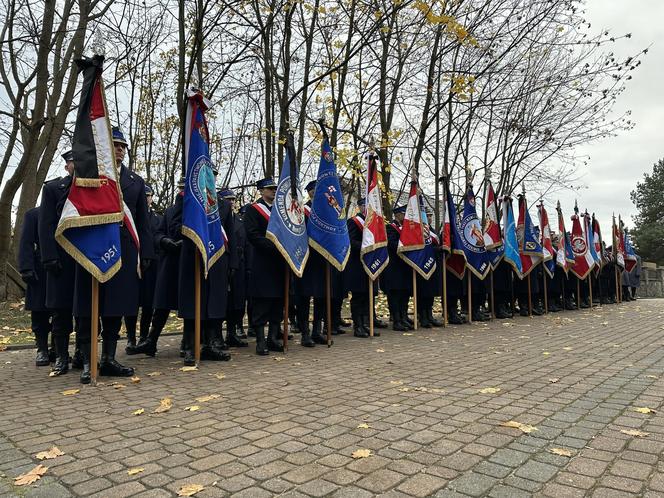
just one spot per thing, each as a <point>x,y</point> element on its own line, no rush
<point>214,288</point>
<point>29,259</point>
<point>60,285</point>
<point>149,278</point>
<point>356,279</point>
<point>168,270</point>
<point>434,285</point>
<point>268,268</point>
<point>312,282</point>
<point>120,295</point>
<point>239,282</point>
<point>398,275</point>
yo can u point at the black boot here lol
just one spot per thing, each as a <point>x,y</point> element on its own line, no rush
<point>187,345</point>
<point>358,328</point>
<point>423,319</point>
<point>213,350</point>
<point>379,324</point>
<point>434,322</point>
<point>108,365</point>
<point>274,342</point>
<point>51,349</point>
<point>261,343</point>
<point>365,323</point>
<point>41,340</point>
<point>454,317</point>
<point>148,346</point>
<point>61,365</point>
<point>232,339</point>
<point>85,358</point>
<point>306,339</point>
<point>502,312</point>
<point>240,331</point>
<point>131,333</point>
<point>316,334</point>
<point>398,324</point>
<point>569,304</point>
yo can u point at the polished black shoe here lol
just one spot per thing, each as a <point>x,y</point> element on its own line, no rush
<point>274,342</point>
<point>42,360</point>
<point>554,308</point>
<point>61,365</point>
<point>399,326</point>
<point>367,329</point>
<point>77,360</point>
<point>478,316</point>
<point>585,304</point>
<point>569,305</point>
<point>455,318</point>
<point>261,343</point>
<point>109,366</point>
<point>538,310</point>
<point>380,324</point>
<point>189,358</point>
<point>317,335</point>
<point>145,346</point>
<point>234,341</point>
<point>306,339</point>
<point>423,321</point>
<point>131,343</point>
<point>358,329</point>
<point>85,377</point>
<point>182,348</point>
<point>212,353</point>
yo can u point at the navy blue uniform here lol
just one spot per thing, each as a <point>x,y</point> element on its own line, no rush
<point>168,270</point>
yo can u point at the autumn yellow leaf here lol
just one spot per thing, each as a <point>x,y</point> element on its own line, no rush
<point>635,433</point>
<point>407,333</point>
<point>135,379</point>
<point>140,411</point>
<point>54,452</point>
<point>546,353</point>
<point>396,382</point>
<point>278,358</point>
<point>190,489</point>
<point>189,369</point>
<point>164,405</point>
<point>209,397</point>
<point>134,471</point>
<point>220,375</point>
<point>404,389</point>
<point>30,477</point>
<point>554,380</point>
<point>361,453</point>
<point>118,385</point>
<point>644,409</point>
<point>154,374</point>
<point>567,348</point>
<point>380,351</point>
<point>192,408</point>
<point>71,392</point>
<point>490,390</point>
<point>561,452</point>
<point>525,428</point>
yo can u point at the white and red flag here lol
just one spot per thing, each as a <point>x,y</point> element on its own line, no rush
<point>374,236</point>
<point>412,231</point>
<point>583,260</point>
<point>491,228</point>
<point>548,251</point>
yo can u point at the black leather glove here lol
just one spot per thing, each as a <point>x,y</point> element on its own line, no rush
<point>145,264</point>
<point>29,277</point>
<point>170,245</point>
<point>54,266</point>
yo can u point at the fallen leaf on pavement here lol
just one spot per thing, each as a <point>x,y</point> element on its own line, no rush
<point>561,452</point>
<point>154,374</point>
<point>567,348</point>
<point>135,379</point>
<point>190,489</point>
<point>525,428</point>
<point>644,409</point>
<point>140,411</point>
<point>490,390</point>
<point>220,375</point>
<point>193,408</point>
<point>30,477</point>
<point>71,392</point>
<point>361,453</point>
<point>380,351</point>
<point>133,472</point>
<point>278,358</point>
<point>554,380</point>
<point>407,333</point>
<point>164,405</point>
<point>635,433</point>
<point>189,369</point>
<point>364,426</point>
<point>546,353</point>
<point>404,389</point>
<point>396,382</point>
<point>54,452</point>
<point>209,397</point>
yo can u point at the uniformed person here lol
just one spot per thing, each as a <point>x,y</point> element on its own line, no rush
<point>266,286</point>
<point>33,274</point>
<point>58,264</point>
<point>429,289</point>
<point>119,296</point>
<point>397,279</point>
<point>148,283</point>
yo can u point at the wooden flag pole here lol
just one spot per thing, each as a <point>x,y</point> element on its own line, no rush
<point>470,298</point>
<point>328,304</point>
<point>618,287</point>
<point>94,332</point>
<point>371,308</point>
<point>530,299</point>
<point>590,289</point>
<point>286,293</point>
<point>493,300</point>
<point>197,307</point>
<point>578,293</point>
<point>415,324</point>
<point>546,296</point>
<point>444,299</point>
<point>563,294</point>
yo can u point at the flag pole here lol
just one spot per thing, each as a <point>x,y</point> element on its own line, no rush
<point>286,293</point>
<point>444,299</point>
<point>493,301</point>
<point>530,299</point>
<point>371,307</point>
<point>415,324</point>
<point>328,304</point>
<point>470,298</point>
<point>563,294</point>
<point>590,289</point>
<point>546,297</point>
<point>578,293</point>
<point>197,307</point>
<point>94,332</point>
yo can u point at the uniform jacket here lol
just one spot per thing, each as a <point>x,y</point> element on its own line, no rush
<point>166,287</point>
<point>29,259</point>
<point>398,275</point>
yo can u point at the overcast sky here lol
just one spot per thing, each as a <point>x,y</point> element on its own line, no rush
<point>617,163</point>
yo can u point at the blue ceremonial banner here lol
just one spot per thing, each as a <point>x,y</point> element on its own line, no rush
<point>590,239</point>
<point>200,210</point>
<point>511,243</point>
<point>328,232</point>
<point>423,261</point>
<point>472,237</point>
<point>286,228</point>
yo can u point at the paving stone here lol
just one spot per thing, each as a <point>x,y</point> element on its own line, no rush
<point>422,485</point>
<point>536,471</point>
<point>473,484</point>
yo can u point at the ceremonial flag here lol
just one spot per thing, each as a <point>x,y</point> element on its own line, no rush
<point>89,226</point>
<point>583,261</point>
<point>423,260</point>
<point>412,232</point>
<point>530,250</point>
<point>546,243</point>
<point>287,229</point>
<point>564,253</point>
<point>511,242</point>
<point>618,251</point>
<point>200,209</point>
<point>493,241</point>
<point>472,237</point>
<point>590,240</point>
<point>373,252</point>
<point>597,241</point>
<point>328,232</point>
<point>630,255</point>
<point>450,238</point>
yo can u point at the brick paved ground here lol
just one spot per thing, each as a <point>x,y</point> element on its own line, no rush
<point>288,424</point>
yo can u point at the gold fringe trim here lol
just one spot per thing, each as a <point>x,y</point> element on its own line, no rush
<point>82,260</point>
<point>465,264</point>
<point>425,276</point>
<point>330,259</point>
<point>198,242</point>
<point>372,247</point>
<point>284,253</point>
<point>401,249</point>
<point>368,272</point>
<point>89,182</point>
